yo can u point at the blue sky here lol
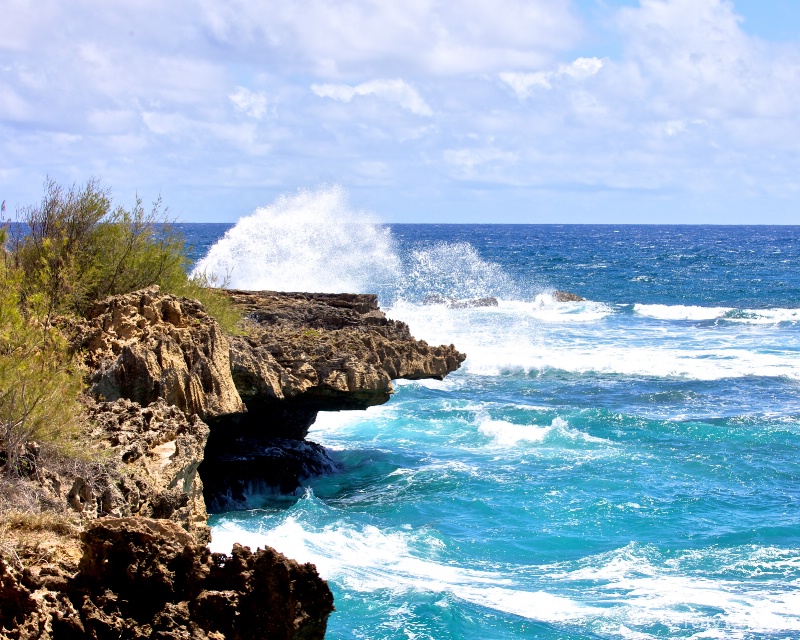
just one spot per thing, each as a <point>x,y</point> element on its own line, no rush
<point>532,111</point>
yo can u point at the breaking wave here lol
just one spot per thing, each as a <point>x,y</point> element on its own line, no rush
<point>311,241</point>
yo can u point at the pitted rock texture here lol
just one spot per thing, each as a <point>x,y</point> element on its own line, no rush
<point>327,351</point>
<point>147,345</point>
<point>143,578</point>
<point>158,450</point>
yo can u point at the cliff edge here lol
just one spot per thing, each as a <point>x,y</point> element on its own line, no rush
<point>121,548</point>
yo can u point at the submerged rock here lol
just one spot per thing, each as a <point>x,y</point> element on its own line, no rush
<point>237,472</point>
<point>565,296</point>
<point>455,303</point>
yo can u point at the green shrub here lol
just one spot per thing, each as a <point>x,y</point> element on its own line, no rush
<point>39,382</point>
<point>81,249</point>
<point>217,304</point>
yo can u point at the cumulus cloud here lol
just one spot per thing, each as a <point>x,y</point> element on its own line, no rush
<point>524,83</point>
<point>698,58</point>
<point>397,91</point>
<point>420,97</point>
<point>426,36</point>
<point>252,103</point>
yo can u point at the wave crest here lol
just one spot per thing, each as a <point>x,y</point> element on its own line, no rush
<point>310,241</point>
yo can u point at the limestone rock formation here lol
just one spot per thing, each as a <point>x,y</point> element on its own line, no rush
<point>145,578</point>
<point>327,351</point>
<point>305,353</point>
<point>147,345</point>
<point>158,450</point>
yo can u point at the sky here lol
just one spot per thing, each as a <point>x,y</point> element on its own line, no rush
<point>512,111</point>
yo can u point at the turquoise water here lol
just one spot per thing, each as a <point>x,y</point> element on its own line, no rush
<point>623,467</point>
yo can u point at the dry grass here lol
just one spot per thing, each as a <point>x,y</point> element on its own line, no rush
<point>32,538</point>
<point>36,525</point>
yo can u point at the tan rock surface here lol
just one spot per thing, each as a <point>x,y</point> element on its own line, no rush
<point>339,350</point>
<point>147,345</point>
<point>158,450</point>
<point>143,578</point>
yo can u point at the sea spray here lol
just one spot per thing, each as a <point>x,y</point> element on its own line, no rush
<point>452,270</point>
<point>315,241</point>
<point>310,241</point>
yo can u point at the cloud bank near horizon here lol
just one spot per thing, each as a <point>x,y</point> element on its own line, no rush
<point>507,108</point>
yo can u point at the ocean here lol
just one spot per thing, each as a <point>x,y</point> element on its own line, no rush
<point>623,467</point>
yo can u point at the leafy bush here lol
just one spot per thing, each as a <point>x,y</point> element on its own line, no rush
<point>79,249</point>
<point>39,383</point>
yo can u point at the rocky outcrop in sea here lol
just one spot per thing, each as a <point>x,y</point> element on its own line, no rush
<point>173,400</point>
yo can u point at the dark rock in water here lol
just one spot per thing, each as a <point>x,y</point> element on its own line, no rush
<point>565,296</point>
<point>455,303</point>
<point>238,469</point>
<point>475,302</point>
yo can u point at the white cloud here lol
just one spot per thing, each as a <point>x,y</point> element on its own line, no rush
<point>397,91</point>
<point>252,103</point>
<point>524,83</point>
<point>470,158</point>
<point>423,36</point>
<point>698,60</point>
<point>213,97</point>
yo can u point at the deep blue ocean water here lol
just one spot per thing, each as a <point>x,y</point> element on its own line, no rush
<point>623,467</point>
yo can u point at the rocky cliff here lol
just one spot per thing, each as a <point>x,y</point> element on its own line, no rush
<point>303,353</point>
<point>175,399</point>
<point>146,578</point>
<point>147,345</point>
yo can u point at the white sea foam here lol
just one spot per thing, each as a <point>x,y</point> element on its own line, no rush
<point>366,559</point>
<point>311,241</point>
<point>508,434</point>
<point>511,338</point>
<point>680,312</point>
<point>548,309</point>
<point>729,314</point>
<point>624,589</point>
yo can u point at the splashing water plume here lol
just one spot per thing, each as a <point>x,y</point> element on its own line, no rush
<point>453,270</point>
<point>311,241</point>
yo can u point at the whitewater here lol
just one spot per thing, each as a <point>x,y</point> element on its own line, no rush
<point>626,466</point>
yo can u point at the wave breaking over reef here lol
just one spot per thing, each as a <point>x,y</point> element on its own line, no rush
<point>310,241</point>
<point>315,241</point>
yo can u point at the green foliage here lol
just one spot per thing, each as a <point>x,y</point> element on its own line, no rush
<point>39,384</point>
<point>217,304</point>
<point>81,249</point>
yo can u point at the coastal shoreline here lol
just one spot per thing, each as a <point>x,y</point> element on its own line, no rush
<point>164,379</point>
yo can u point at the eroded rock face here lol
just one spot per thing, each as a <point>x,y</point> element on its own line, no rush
<point>147,345</point>
<point>302,354</point>
<point>144,578</point>
<point>159,449</point>
<point>327,351</point>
